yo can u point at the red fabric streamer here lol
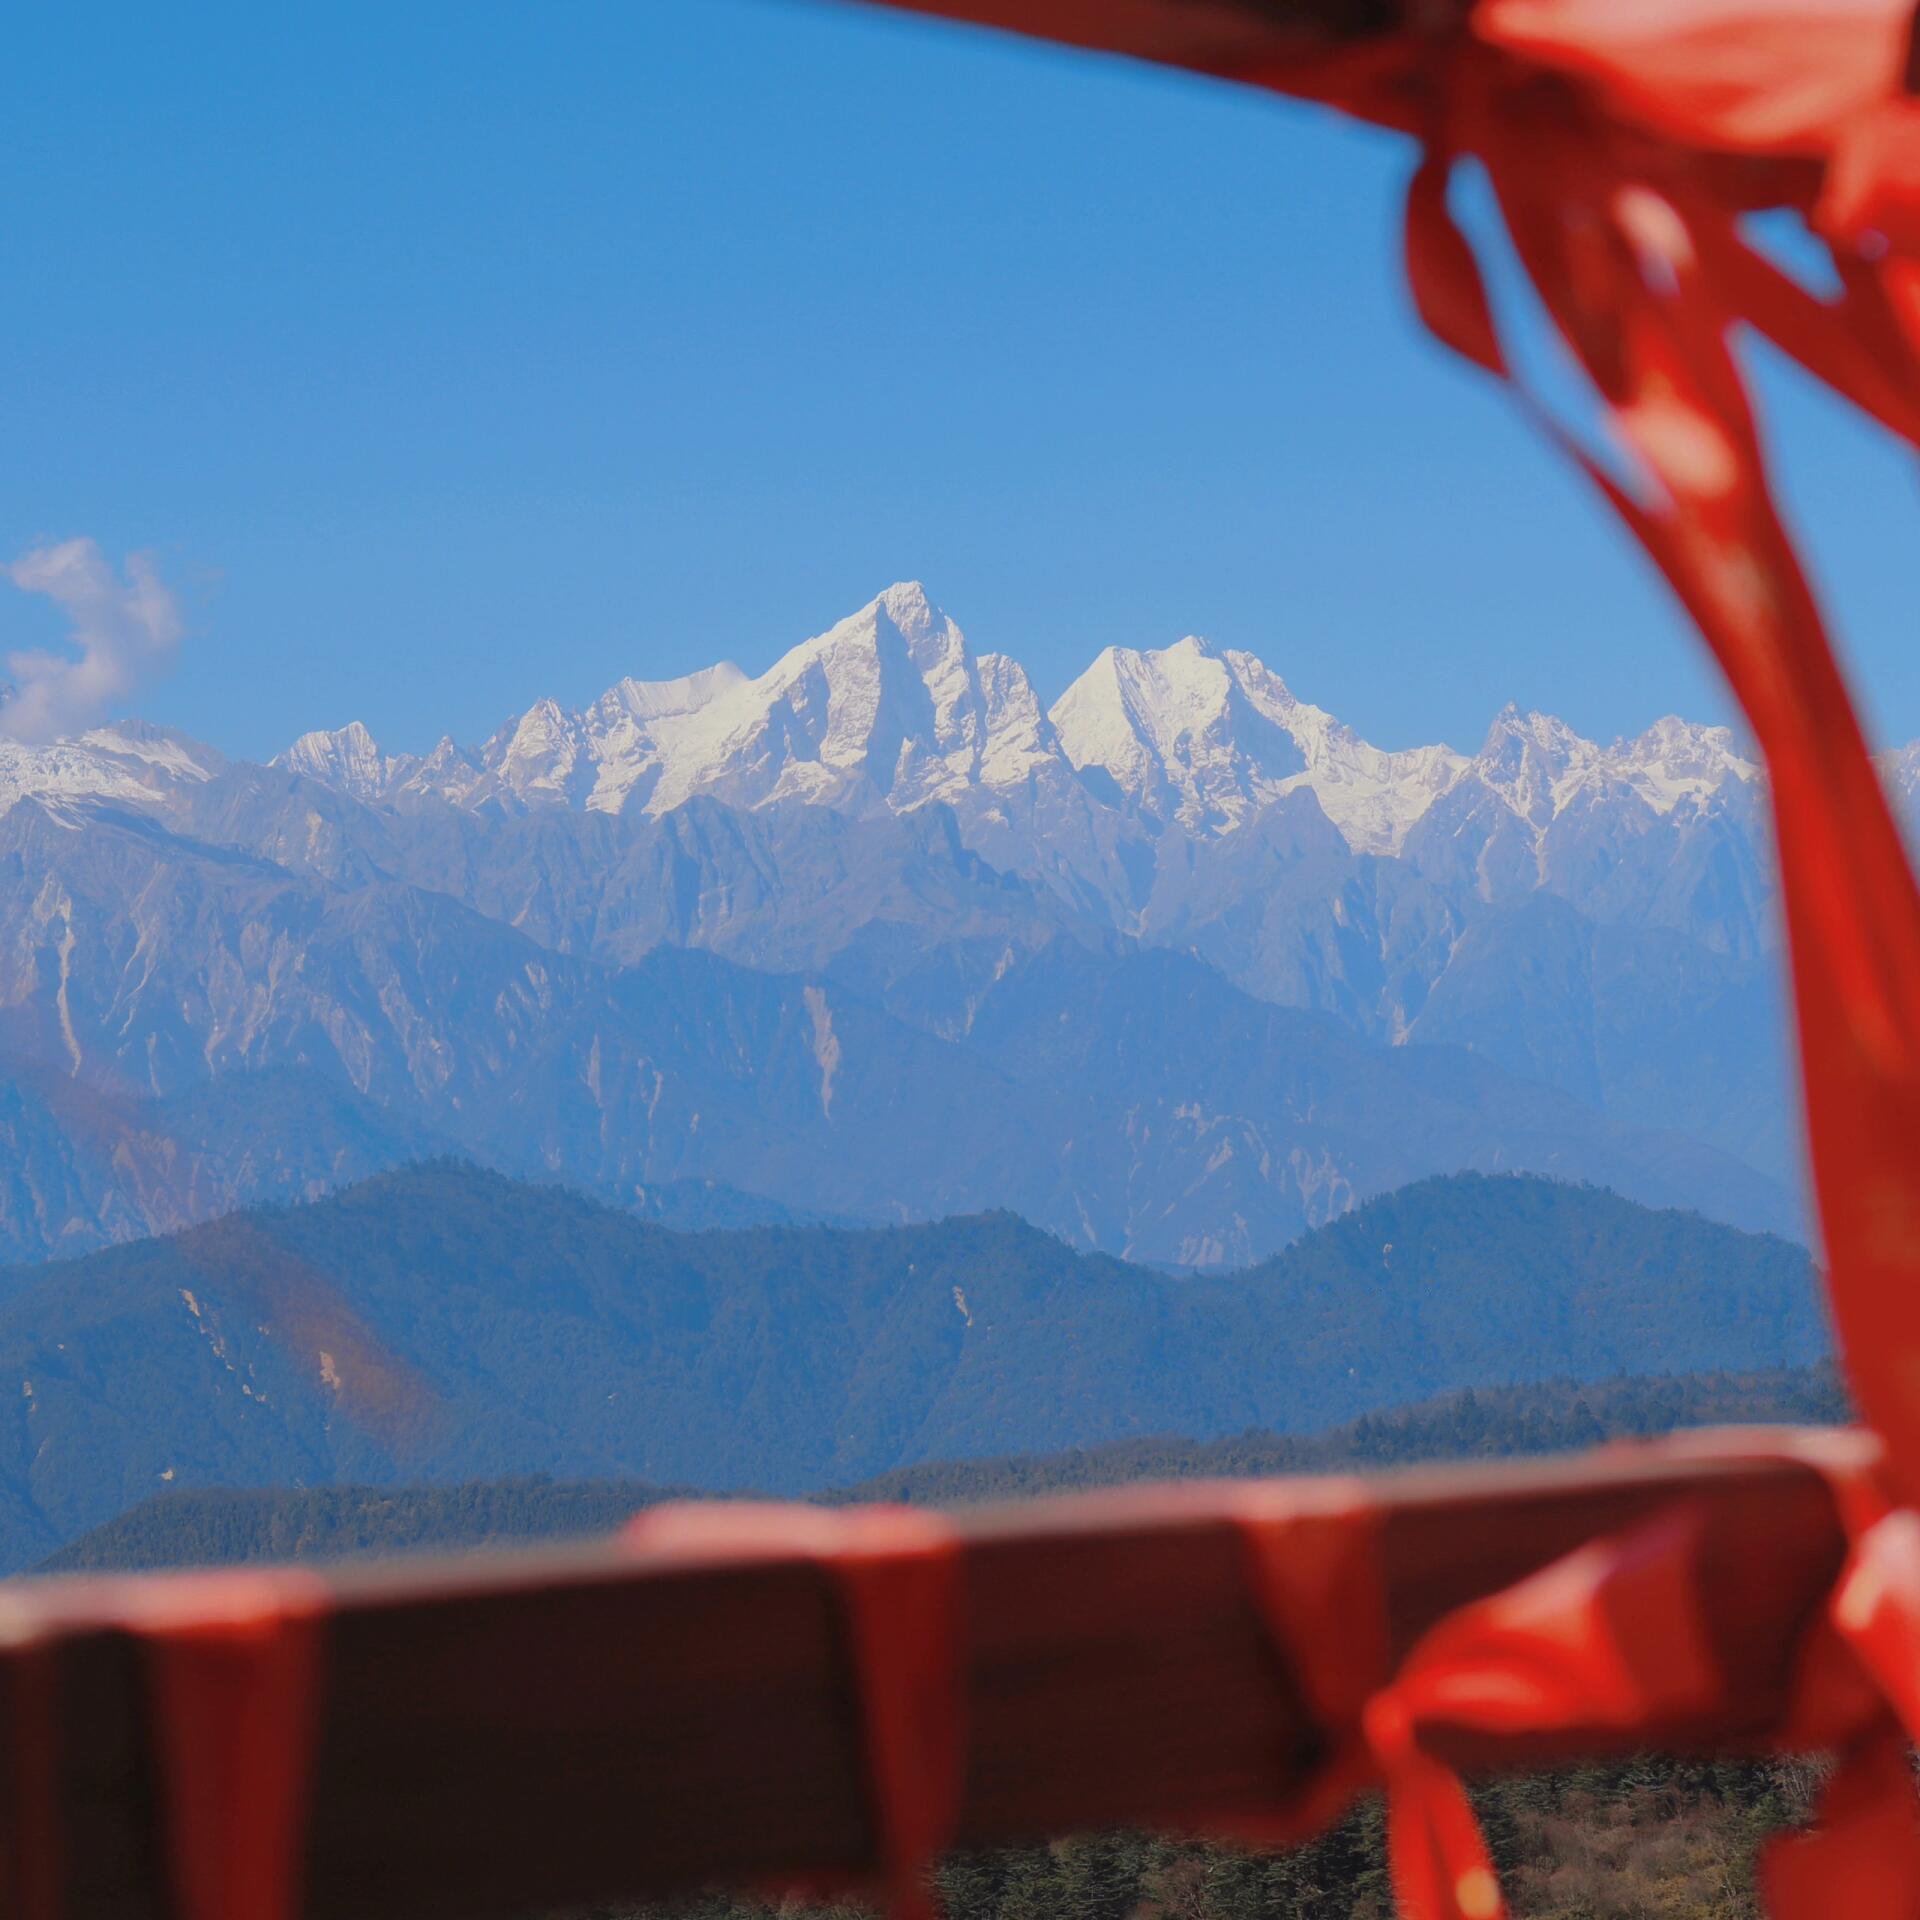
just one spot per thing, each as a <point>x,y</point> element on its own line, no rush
<point>234,1662</point>
<point>1735,74</point>
<point>1614,1639</point>
<point>1606,1641</point>
<point>897,1573</point>
<point>1313,1566</point>
<point>1624,140</point>
<point>1636,257</point>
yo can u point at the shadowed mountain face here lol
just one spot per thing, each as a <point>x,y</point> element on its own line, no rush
<point>447,1323</point>
<point>1178,969</point>
<point>208,1028</point>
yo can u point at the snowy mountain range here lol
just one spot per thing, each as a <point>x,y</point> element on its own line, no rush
<point>1177,967</point>
<point>892,707</point>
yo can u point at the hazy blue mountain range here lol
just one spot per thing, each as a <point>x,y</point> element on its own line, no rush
<point>1177,969</point>
<point>446,1323</point>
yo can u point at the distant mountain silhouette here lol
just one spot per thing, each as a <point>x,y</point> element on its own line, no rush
<point>445,1323</point>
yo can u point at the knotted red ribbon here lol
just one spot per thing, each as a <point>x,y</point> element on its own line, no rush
<point>896,1570</point>
<point>1613,1640</point>
<point>1606,1641</point>
<point>1313,1563</point>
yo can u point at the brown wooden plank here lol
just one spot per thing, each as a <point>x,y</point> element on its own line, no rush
<point>507,1733</point>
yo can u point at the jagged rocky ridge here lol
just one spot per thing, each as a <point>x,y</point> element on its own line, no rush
<point>1178,968</point>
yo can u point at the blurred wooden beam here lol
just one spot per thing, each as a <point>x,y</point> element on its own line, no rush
<point>505,1734</point>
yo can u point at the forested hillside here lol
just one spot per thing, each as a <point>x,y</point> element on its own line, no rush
<point>444,1324</point>
<point>226,1526</point>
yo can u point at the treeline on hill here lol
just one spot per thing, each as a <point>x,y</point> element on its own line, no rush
<point>234,1526</point>
<point>1488,1423</point>
<point>220,1526</point>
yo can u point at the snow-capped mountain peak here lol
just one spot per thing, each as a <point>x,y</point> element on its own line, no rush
<point>128,762</point>
<point>891,709</point>
<point>539,756</point>
<point>1162,723</point>
<point>888,706</point>
<point>348,758</point>
<point>1539,766</point>
<point>913,614</point>
<point>1203,736</point>
<point>1677,763</point>
<point>1532,762</point>
<point>853,702</point>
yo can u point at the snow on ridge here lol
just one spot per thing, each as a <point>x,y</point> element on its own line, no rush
<point>1540,767</point>
<point>1207,736</point>
<point>891,708</point>
<point>348,758</point>
<point>168,752</point>
<point>126,762</point>
<point>652,699</point>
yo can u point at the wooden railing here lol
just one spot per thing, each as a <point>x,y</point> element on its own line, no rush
<point>517,1732</point>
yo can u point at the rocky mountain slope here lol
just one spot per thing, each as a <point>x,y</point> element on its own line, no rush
<point>209,1028</point>
<point>864,934</point>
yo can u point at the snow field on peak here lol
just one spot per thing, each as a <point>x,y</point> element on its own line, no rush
<point>128,762</point>
<point>1541,767</point>
<point>1210,736</point>
<point>891,708</point>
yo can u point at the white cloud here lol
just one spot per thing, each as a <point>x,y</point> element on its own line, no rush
<point>123,632</point>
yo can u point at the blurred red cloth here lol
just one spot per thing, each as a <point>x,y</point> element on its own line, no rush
<point>1624,141</point>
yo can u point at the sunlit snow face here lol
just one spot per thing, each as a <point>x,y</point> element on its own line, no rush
<point>891,708</point>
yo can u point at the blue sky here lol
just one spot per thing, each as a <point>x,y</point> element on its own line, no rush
<point>446,357</point>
